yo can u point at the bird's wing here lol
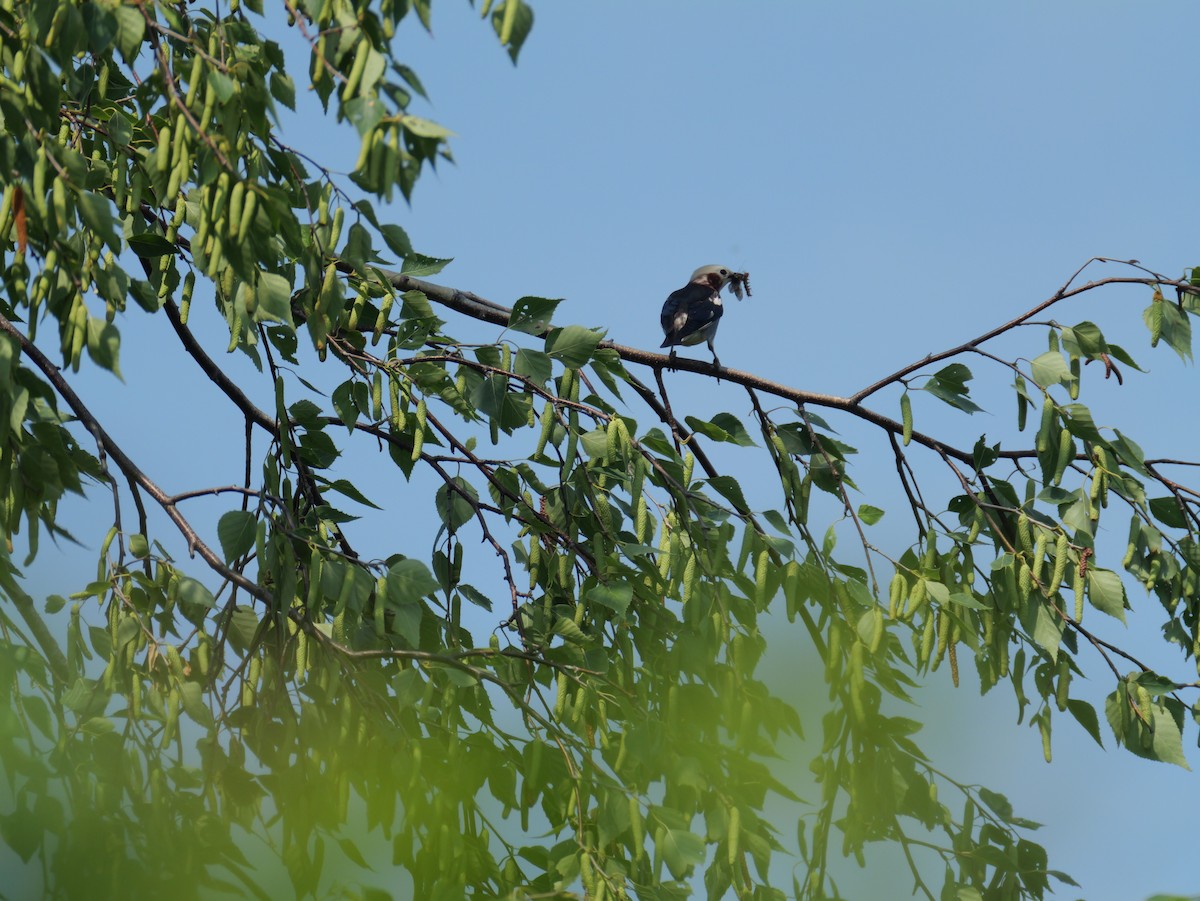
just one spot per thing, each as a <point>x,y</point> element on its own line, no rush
<point>687,311</point>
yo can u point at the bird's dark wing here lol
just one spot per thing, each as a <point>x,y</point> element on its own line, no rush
<point>687,311</point>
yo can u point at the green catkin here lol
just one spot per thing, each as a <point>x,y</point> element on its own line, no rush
<point>1060,560</point>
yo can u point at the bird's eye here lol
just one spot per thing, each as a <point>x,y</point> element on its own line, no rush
<point>724,271</point>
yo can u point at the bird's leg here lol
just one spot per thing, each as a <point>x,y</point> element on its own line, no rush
<point>716,360</point>
<point>672,358</point>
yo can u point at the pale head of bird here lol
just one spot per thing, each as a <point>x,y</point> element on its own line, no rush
<point>717,277</point>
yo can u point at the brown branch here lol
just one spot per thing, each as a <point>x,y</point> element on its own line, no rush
<point>1062,293</point>
<point>484,310</point>
<point>195,544</point>
<point>902,470</point>
<point>216,374</point>
<point>224,489</point>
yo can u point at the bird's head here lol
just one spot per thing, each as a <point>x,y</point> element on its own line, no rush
<point>717,277</point>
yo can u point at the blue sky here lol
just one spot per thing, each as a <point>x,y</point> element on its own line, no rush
<point>898,178</point>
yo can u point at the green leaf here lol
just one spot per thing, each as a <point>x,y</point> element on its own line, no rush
<point>513,20</point>
<point>101,27</point>
<point>984,455</point>
<point>869,515</point>
<point>1106,592</point>
<point>195,592</point>
<point>1051,369</point>
<point>532,315</point>
<point>341,486</point>
<point>408,581</point>
<point>424,128</point>
<point>565,628</point>
<point>1167,511</point>
<point>723,427</point>
<point>283,89</point>
<point>410,77</point>
<point>406,622</point>
<point>350,849</point>
<point>454,509</point>
<point>417,306</point>
<point>458,677</point>
<point>120,129</point>
<point>949,385</point>
<point>1079,422</point>
<point>242,627</point>
<point>1173,326</point>
<point>1048,628</point>
<point>220,83</point>
<point>236,530</point>
<point>493,399</point>
<point>104,345</point>
<point>728,488</point>
<point>681,850</point>
<point>344,405</point>
<point>1085,715</point>
<point>418,265</point>
<point>1087,337</point>
<point>98,214</point>
<point>1168,740</point>
<point>306,414</point>
<point>318,449</point>
<point>1122,356</point>
<point>274,299</point>
<point>573,345</point>
<point>397,240</point>
<point>150,245</point>
<point>365,113</point>
<point>131,28</point>
<point>968,600</point>
<point>534,365</point>
<point>999,804</point>
<point>867,627</point>
<point>937,591</point>
<point>192,695</point>
<point>475,596</point>
<point>616,596</point>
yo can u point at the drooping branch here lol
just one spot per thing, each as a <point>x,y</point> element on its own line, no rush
<point>127,466</point>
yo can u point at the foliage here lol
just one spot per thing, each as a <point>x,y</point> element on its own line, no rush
<point>614,735</point>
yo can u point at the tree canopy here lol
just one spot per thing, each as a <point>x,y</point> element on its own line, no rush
<point>558,694</point>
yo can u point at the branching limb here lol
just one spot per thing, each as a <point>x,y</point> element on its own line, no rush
<point>131,470</point>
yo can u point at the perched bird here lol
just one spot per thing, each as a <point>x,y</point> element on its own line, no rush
<point>692,314</point>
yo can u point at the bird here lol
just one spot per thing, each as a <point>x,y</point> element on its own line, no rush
<point>692,314</point>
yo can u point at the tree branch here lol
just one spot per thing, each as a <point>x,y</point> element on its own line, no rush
<point>484,310</point>
<point>195,544</point>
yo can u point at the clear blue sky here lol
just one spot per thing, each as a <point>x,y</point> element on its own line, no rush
<point>897,178</point>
